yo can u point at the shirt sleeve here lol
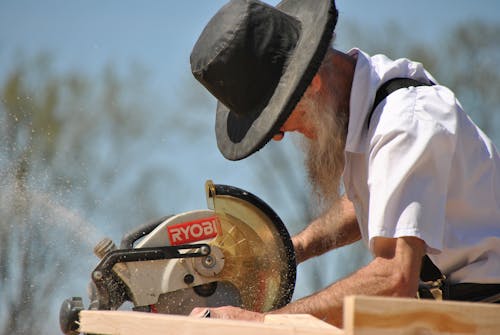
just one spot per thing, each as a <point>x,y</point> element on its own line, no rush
<point>409,162</point>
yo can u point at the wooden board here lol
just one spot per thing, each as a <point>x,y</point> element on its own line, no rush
<point>302,320</point>
<point>390,316</point>
<point>362,316</point>
<point>137,323</point>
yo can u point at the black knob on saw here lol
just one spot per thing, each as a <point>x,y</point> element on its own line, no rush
<point>69,315</point>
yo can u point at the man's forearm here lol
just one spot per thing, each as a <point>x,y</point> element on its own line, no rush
<point>327,305</point>
<point>393,273</point>
<point>336,228</point>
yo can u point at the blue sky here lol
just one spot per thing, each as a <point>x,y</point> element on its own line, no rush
<point>86,35</point>
<point>160,34</point>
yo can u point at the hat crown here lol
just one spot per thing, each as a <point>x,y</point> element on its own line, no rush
<point>242,53</point>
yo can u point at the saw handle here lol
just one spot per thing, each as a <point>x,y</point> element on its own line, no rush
<point>111,291</point>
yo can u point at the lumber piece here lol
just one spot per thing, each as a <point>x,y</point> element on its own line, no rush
<point>300,320</point>
<point>394,316</point>
<point>140,323</point>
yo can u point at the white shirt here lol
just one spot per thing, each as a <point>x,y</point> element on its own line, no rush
<point>422,168</point>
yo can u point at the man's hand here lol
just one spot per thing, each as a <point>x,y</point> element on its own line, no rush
<point>227,312</point>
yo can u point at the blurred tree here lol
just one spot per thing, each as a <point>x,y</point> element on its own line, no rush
<point>474,72</point>
<point>466,59</point>
<point>62,139</point>
<point>31,129</point>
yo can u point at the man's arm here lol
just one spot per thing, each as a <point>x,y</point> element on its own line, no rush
<point>334,229</point>
<point>393,272</point>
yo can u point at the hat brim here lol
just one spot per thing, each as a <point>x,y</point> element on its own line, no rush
<point>318,19</point>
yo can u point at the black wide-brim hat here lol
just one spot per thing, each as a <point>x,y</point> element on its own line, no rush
<point>258,60</point>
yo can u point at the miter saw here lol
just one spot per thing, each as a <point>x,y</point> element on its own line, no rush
<point>237,252</point>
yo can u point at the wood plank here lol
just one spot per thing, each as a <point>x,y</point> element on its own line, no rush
<point>390,316</point>
<point>137,323</point>
<point>302,320</point>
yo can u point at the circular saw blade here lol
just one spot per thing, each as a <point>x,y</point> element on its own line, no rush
<point>255,259</point>
<point>259,258</point>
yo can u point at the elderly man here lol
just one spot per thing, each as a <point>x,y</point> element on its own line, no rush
<point>420,177</point>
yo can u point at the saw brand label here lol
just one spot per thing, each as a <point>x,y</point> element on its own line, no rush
<point>192,231</point>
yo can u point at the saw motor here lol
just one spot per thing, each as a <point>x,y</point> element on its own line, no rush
<point>236,252</point>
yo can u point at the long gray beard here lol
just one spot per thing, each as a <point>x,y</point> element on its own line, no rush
<point>324,155</point>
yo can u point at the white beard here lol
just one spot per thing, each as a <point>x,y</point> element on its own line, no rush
<point>325,153</point>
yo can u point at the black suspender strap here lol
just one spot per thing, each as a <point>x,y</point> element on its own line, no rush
<point>390,86</point>
<point>429,271</point>
<point>432,281</point>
